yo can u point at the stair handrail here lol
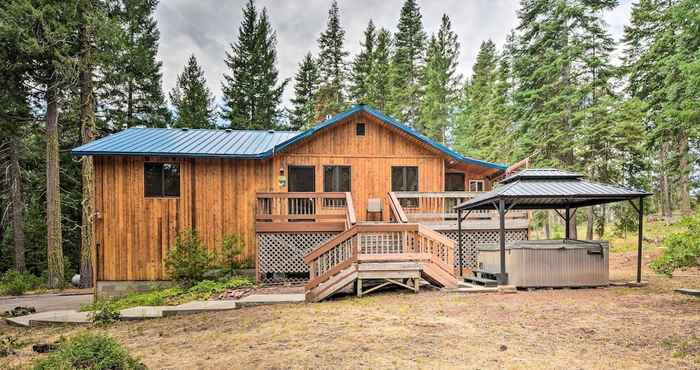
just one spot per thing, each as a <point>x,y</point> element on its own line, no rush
<point>445,258</point>
<point>351,219</point>
<point>397,209</point>
<point>336,260</point>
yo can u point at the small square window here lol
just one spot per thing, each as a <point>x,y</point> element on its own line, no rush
<point>161,180</point>
<point>360,129</point>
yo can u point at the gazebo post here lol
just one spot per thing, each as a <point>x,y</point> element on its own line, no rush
<point>567,221</point>
<point>640,238</point>
<point>459,240</point>
<point>502,277</point>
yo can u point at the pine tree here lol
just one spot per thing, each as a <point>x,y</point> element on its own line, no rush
<point>473,137</point>
<point>362,66</point>
<point>305,89</point>
<point>130,90</point>
<point>407,66</point>
<point>250,91</point>
<point>330,98</point>
<point>48,47</point>
<point>193,102</point>
<point>378,81</point>
<point>441,82</point>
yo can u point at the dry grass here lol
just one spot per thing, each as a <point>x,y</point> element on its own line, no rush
<point>649,327</point>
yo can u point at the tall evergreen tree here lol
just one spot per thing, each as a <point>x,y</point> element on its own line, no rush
<point>130,90</point>
<point>305,89</point>
<point>362,66</point>
<point>407,66</point>
<point>472,136</point>
<point>441,82</point>
<point>331,96</point>
<point>193,102</point>
<point>251,92</point>
<point>378,81</point>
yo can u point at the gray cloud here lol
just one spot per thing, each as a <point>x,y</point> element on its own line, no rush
<point>206,28</point>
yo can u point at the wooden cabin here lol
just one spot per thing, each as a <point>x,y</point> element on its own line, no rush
<point>285,193</point>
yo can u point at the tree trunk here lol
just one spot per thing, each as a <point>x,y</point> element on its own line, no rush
<point>664,184</point>
<point>684,169</point>
<point>17,205</point>
<point>87,132</point>
<point>547,234</point>
<point>589,225</point>
<point>53,195</point>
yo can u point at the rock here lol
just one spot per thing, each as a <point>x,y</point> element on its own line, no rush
<point>19,311</point>
<point>503,348</point>
<point>44,347</point>
<point>75,280</point>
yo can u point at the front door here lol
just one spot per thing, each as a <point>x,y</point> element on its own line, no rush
<point>302,179</point>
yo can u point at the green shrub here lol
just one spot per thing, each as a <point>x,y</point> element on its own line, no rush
<point>189,260</point>
<point>90,351</point>
<point>232,247</point>
<point>15,283</point>
<point>104,313</point>
<point>682,248</point>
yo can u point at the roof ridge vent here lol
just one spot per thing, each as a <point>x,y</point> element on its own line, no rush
<point>228,130</point>
<point>183,129</point>
<point>270,131</point>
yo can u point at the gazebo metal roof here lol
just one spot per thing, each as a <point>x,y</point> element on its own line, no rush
<point>550,189</point>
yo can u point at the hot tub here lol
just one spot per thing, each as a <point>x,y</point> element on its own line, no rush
<point>550,263</point>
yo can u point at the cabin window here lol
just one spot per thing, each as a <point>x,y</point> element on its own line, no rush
<point>476,185</point>
<point>405,178</point>
<point>336,178</point>
<point>161,179</point>
<point>360,129</point>
<point>454,182</point>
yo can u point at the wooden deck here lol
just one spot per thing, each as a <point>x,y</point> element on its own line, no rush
<point>399,254</point>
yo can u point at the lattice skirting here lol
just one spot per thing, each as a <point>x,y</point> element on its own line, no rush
<point>472,239</point>
<point>281,255</point>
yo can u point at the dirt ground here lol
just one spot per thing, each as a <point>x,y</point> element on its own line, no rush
<point>604,328</point>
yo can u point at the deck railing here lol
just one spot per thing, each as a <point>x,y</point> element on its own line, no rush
<point>379,242</point>
<point>305,207</point>
<point>437,207</point>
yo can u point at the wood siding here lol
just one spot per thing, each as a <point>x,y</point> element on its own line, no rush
<point>217,196</point>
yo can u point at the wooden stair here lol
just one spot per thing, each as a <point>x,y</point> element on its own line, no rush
<point>397,254</point>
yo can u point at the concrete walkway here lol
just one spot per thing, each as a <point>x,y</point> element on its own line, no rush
<point>46,302</point>
<point>152,312</point>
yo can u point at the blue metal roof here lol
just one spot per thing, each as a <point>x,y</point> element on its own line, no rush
<point>238,143</point>
<point>186,143</point>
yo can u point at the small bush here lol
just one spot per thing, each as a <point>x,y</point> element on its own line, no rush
<point>90,351</point>
<point>15,283</point>
<point>682,248</point>
<point>189,261</point>
<point>104,313</point>
<point>8,345</point>
<point>232,247</point>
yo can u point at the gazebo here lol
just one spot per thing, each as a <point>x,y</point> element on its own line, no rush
<point>537,189</point>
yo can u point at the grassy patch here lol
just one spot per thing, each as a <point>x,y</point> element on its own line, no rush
<point>171,296</point>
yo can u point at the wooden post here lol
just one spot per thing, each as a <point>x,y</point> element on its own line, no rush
<point>502,277</point>
<point>640,238</point>
<point>459,238</point>
<point>567,221</point>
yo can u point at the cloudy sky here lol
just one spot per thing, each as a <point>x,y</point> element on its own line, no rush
<point>206,28</point>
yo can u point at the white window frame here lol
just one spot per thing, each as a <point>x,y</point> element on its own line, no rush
<point>482,182</point>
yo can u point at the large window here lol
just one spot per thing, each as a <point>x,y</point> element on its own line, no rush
<point>454,182</point>
<point>336,178</point>
<point>405,178</point>
<point>161,179</point>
